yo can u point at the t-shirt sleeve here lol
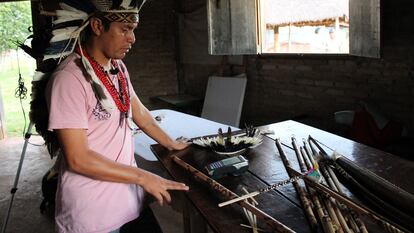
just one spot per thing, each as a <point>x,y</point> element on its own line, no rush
<point>67,102</point>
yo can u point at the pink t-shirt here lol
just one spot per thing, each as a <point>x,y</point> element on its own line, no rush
<point>84,204</point>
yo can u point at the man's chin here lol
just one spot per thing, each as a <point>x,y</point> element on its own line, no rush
<point>119,56</point>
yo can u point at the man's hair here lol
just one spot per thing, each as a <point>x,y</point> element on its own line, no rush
<point>87,33</point>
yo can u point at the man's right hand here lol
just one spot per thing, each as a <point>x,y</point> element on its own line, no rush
<point>158,187</point>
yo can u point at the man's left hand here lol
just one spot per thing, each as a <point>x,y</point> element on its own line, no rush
<point>180,143</point>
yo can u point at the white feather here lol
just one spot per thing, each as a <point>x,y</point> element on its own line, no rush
<point>69,13</point>
<point>143,2</point>
<point>63,34</point>
<point>38,76</point>
<point>336,155</point>
<point>125,4</point>
<point>56,56</point>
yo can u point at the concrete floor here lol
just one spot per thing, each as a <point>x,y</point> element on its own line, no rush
<point>25,215</point>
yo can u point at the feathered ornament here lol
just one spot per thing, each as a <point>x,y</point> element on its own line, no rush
<point>230,144</point>
<point>64,39</point>
<point>72,19</point>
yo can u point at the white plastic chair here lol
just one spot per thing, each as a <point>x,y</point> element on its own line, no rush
<point>224,99</point>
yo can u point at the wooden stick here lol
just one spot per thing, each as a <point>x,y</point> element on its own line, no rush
<point>372,187</point>
<point>247,226</point>
<point>353,225</point>
<point>385,190</point>
<point>360,224</point>
<point>262,190</point>
<point>337,187</point>
<point>250,216</point>
<point>251,199</point>
<point>334,184</point>
<point>241,198</point>
<point>351,204</point>
<point>333,209</point>
<point>390,227</point>
<point>393,213</point>
<point>306,158</point>
<point>333,214</point>
<point>305,146</point>
<point>335,179</point>
<point>323,217</point>
<point>329,181</point>
<point>269,220</point>
<point>297,152</point>
<point>300,191</point>
<point>326,216</point>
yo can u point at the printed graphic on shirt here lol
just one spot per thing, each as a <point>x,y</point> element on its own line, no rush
<point>100,113</point>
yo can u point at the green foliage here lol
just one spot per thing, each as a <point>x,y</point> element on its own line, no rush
<point>9,74</point>
<point>15,19</point>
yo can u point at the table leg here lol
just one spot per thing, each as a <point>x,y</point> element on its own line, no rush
<point>193,221</point>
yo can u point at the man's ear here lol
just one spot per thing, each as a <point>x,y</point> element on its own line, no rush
<point>96,26</point>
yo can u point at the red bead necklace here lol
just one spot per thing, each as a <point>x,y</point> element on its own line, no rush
<point>120,98</point>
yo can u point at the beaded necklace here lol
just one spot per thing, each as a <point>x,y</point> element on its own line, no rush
<point>120,98</point>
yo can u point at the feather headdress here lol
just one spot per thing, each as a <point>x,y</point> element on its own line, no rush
<point>73,18</point>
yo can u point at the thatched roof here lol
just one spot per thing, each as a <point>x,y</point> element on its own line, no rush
<point>304,12</point>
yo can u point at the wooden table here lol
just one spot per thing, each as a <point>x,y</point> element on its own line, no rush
<point>266,168</point>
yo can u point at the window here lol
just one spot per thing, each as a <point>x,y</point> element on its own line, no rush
<point>294,26</point>
<point>304,26</point>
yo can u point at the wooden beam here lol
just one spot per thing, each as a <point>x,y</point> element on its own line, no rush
<point>276,45</point>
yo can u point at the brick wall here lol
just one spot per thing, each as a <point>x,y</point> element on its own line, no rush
<point>151,61</point>
<point>280,88</point>
<point>285,87</point>
<point>289,86</point>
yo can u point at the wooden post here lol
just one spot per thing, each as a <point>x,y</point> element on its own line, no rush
<point>289,40</point>
<point>276,45</point>
<point>337,25</point>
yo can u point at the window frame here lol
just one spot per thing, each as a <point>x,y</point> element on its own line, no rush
<point>364,35</point>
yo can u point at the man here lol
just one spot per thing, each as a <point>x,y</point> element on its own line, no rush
<point>90,99</point>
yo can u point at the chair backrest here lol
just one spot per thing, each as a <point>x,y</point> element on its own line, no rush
<point>224,99</point>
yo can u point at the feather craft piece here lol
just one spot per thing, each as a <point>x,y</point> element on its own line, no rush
<point>229,143</point>
<point>62,34</point>
<point>64,40</point>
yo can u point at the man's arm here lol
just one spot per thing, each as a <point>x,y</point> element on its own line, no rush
<point>143,118</point>
<point>85,161</point>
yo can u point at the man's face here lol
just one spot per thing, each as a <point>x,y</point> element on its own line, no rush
<point>118,40</point>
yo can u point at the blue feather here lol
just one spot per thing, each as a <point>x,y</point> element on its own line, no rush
<point>58,47</point>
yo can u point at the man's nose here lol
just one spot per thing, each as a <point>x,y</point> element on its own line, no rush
<point>131,38</point>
